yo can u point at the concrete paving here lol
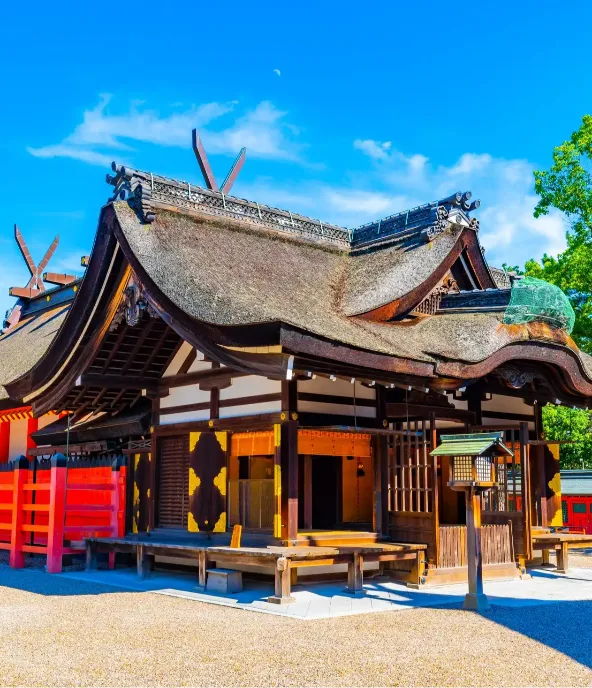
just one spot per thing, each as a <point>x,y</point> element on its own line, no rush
<point>328,600</point>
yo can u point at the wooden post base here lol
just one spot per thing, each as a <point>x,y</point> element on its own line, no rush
<point>274,599</point>
<point>476,602</point>
<point>562,558</point>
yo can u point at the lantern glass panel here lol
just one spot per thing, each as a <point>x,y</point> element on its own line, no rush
<point>463,469</point>
<point>483,465</point>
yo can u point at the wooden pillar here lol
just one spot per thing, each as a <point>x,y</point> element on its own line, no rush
<point>475,598</point>
<point>380,518</point>
<point>307,492</point>
<point>355,575</point>
<point>526,491</point>
<point>474,394</point>
<point>286,481</point>
<point>283,583</point>
<point>4,441</point>
<point>57,513</point>
<point>554,514</point>
<point>433,439</point>
<point>21,476</point>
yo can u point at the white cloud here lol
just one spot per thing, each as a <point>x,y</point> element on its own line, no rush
<point>375,149</point>
<point>102,135</point>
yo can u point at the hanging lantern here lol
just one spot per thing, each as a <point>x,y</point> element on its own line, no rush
<point>473,458</point>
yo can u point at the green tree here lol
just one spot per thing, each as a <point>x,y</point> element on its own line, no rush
<point>567,187</point>
<point>573,425</point>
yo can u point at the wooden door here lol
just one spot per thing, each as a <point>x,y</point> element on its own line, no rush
<point>173,481</point>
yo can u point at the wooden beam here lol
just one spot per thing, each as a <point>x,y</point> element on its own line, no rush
<point>118,382</point>
<point>55,278</point>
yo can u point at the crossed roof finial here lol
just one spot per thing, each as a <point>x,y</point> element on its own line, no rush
<point>35,285</point>
<point>206,170</point>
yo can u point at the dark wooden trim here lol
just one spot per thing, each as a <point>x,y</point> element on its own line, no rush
<point>335,399</point>
<point>322,420</point>
<point>185,408</point>
<point>502,415</point>
<point>188,362</point>
<point>264,421</point>
<point>119,382</point>
<point>289,396</point>
<point>547,353</point>
<point>301,343</point>
<point>474,395</point>
<point>401,410</point>
<point>215,402</point>
<point>288,460</point>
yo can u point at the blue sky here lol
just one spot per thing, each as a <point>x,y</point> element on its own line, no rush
<point>377,107</point>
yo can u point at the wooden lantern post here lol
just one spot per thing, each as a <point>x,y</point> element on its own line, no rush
<point>473,472</point>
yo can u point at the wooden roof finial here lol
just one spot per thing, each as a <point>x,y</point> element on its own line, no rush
<point>206,170</point>
<point>35,285</point>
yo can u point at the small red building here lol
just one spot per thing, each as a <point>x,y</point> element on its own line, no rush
<point>576,502</point>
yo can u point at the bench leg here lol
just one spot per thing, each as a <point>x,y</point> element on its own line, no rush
<point>545,553</point>
<point>355,575</point>
<point>142,561</point>
<point>112,559</point>
<point>91,556</point>
<point>282,583</point>
<point>417,571</point>
<point>202,565</point>
<point>562,558</point>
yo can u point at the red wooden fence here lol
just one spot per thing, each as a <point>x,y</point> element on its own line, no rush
<point>50,507</point>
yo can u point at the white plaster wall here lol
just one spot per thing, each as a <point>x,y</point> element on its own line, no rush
<point>189,394</point>
<point>336,409</point>
<point>342,388</point>
<point>250,409</point>
<point>250,386</point>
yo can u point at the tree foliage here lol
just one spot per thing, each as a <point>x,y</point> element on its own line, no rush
<point>567,187</point>
<point>573,425</point>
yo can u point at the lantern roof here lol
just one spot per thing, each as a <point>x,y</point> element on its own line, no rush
<point>474,444</point>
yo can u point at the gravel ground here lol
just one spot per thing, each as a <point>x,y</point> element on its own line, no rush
<point>58,632</point>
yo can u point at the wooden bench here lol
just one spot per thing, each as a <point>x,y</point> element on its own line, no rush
<point>285,561</point>
<point>560,542</point>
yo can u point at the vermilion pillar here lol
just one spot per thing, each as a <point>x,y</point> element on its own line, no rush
<point>4,441</point>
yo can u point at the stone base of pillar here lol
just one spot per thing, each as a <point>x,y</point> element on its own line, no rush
<point>476,602</point>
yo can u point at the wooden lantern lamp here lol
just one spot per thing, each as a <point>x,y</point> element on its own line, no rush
<point>473,472</point>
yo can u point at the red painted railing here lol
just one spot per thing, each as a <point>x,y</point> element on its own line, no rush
<point>51,510</point>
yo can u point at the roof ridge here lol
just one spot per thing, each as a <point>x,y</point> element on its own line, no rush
<point>145,190</point>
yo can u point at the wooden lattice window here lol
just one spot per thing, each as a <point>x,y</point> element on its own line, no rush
<point>506,494</point>
<point>410,469</point>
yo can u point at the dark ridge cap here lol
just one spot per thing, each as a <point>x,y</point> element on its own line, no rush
<point>146,188</point>
<point>146,192</point>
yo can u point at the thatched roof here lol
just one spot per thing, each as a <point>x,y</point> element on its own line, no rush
<point>26,342</point>
<point>223,272</point>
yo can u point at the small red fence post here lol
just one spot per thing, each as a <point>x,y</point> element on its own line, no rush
<point>117,504</point>
<point>17,536</point>
<point>57,513</point>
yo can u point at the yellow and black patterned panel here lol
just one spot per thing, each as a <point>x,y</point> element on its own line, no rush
<point>207,482</point>
<point>140,506</point>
